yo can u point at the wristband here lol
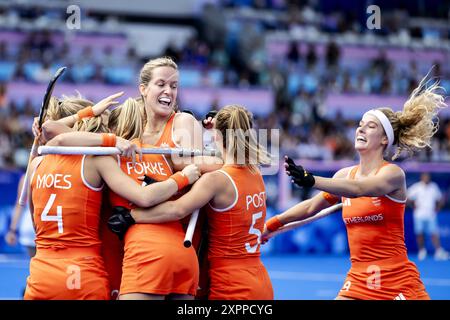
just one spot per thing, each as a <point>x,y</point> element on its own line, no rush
<point>331,198</point>
<point>87,112</point>
<point>181,180</point>
<point>273,224</point>
<point>109,140</point>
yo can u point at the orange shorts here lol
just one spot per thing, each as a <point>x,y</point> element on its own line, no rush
<point>156,261</point>
<point>68,274</point>
<point>239,279</point>
<point>395,278</point>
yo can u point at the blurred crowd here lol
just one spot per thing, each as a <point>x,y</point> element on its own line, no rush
<point>230,51</point>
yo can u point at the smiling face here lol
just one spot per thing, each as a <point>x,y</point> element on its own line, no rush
<point>370,134</point>
<point>160,94</point>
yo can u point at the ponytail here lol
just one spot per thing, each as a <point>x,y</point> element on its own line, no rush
<point>128,120</point>
<point>235,123</point>
<point>97,124</point>
<point>67,106</point>
<point>416,124</point>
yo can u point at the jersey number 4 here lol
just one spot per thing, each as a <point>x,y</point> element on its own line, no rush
<point>257,232</point>
<point>58,218</point>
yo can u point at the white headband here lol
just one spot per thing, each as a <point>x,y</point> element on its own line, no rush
<point>385,123</point>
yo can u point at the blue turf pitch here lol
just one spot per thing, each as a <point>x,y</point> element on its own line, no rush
<point>294,277</point>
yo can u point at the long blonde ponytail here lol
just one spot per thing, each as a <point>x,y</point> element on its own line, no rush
<point>128,120</point>
<point>416,124</point>
<point>235,123</point>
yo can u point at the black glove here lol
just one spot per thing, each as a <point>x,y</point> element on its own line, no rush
<point>299,176</point>
<point>210,114</point>
<point>148,180</point>
<point>120,221</point>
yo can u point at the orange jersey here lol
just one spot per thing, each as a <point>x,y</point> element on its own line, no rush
<point>155,259</point>
<point>166,138</point>
<point>235,231</point>
<point>375,226</point>
<point>236,271</point>
<point>154,166</point>
<point>66,208</point>
<point>68,264</point>
<point>380,266</point>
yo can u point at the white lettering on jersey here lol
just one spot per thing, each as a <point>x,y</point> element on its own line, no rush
<point>372,218</point>
<point>257,200</point>
<point>58,181</point>
<point>146,167</point>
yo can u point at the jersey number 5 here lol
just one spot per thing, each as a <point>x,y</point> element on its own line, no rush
<point>257,232</point>
<point>58,218</point>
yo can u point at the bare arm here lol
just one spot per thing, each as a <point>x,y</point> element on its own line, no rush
<point>11,238</point>
<point>388,180</point>
<point>126,187</point>
<point>17,208</point>
<point>51,129</point>
<point>33,166</point>
<point>304,209</point>
<point>200,194</point>
<point>188,134</point>
<point>75,138</point>
<point>309,207</point>
<point>90,139</point>
<point>205,163</point>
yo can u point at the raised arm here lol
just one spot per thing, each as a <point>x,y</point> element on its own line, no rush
<point>389,179</point>
<point>52,128</point>
<point>201,193</point>
<point>304,209</point>
<point>310,207</point>
<point>126,187</point>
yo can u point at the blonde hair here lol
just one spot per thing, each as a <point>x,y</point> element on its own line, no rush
<point>235,123</point>
<point>70,105</point>
<point>67,106</point>
<point>145,76</point>
<point>97,124</point>
<point>128,121</point>
<point>416,124</point>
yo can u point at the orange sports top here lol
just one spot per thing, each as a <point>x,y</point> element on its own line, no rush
<point>375,226</point>
<point>153,165</point>
<point>235,231</point>
<point>167,135</point>
<point>66,207</point>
